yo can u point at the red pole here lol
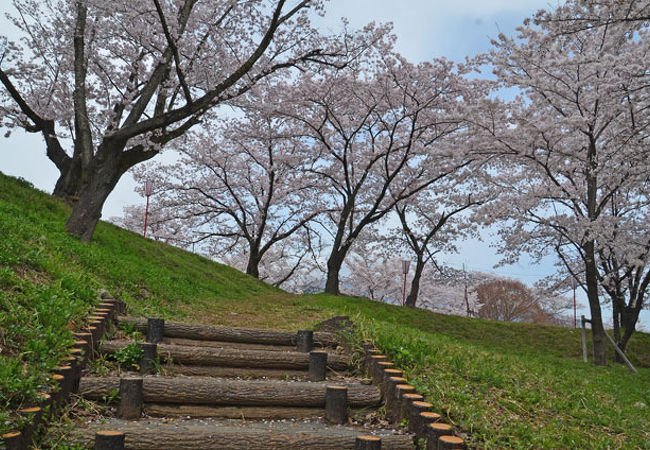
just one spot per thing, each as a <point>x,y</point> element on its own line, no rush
<point>575,317</point>
<point>146,216</point>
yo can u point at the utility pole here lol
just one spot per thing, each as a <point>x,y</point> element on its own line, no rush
<point>574,285</point>
<point>469,311</point>
<point>405,270</point>
<point>148,190</point>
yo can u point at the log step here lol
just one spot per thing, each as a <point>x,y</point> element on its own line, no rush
<point>209,434</point>
<point>226,392</point>
<point>230,334</point>
<point>222,344</point>
<point>231,357</point>
<point>238,372</point>
<point>238,412</point>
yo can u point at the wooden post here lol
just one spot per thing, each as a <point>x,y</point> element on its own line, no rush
<point>13,440</point>
<point>57,396</point>
<point>415,424</point>
<point>317,365</point>
<point>305,341</point>
<point>621,354</point>
<point>367,443</point>
<point>450,443</point>
<point>88,338</point>
<point>426,418</point>
<point>367,360</point>
<point>75,373</point>
<point>378,371</point>
<point>372,360</point>
<point>119,305</point>
<point>84,351</point>
<point>65,382</point>
<point>155,330</point>
<point>94,336</point>
<point>107,312</point>
<point>45,403</point>
<point>390,396</point>
<point>434,431</point>
<point>109,440</point>
<point>400,391</point>
<point>110,309</point>
<point>336,404</point>
<point>131,398</point>
<point>33,422</point>
<point>388,373</point>
<point>149,356</point>
<point>99,328</point>
<point>367,345</point>
<point>405,404</point>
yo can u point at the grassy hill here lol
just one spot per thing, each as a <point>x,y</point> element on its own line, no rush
<point>505,384</point>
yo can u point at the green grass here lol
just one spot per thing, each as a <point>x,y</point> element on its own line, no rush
<point>503,384</point>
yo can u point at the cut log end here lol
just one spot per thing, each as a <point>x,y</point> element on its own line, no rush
<point>317,365</point>
<point>155,330</point>
<point>109,440</point>
<point>336,404</point>
<point>13,440</point>
<point>368,443</point>
<point>131,398</point>
<point>305,341</point>
<point>450,443</point>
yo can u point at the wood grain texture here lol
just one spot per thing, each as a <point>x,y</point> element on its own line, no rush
<point>233,357</point>
<point>231,334</point>
<point>187,435</point>
<point>219,391</point>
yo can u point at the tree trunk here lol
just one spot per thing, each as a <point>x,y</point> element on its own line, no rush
<point>104,173</point>
<point>412,298</point>
<point>616,316</point>
<point>68,186</point>
<point>629,318</point>
<point>597,329</point>
<point>253,266</point>
<point>334,264</point>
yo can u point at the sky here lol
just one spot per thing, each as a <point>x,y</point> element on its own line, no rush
<point>425,29</point>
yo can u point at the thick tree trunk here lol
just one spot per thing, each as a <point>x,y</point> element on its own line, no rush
<point>68,186</point>
<point>253,267</point>
<point>334,264</point>
<point>412,298</point>
<point>597,330</point>
<point>629,318</point>
<point>104,173</point>
<point>616,315</point>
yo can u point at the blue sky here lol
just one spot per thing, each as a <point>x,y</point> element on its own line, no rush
<point>425,29</point>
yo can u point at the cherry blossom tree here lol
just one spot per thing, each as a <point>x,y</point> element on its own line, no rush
<point>432,223</point>
<point>116,81</point>
<point>574,142</point>
<point>373,131</point>
<point>577,15</point>
<point>290,264</point>
<point>373,270</point>
<point>240,186</point>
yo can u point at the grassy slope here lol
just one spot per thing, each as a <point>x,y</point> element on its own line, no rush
<point>512,385</point>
